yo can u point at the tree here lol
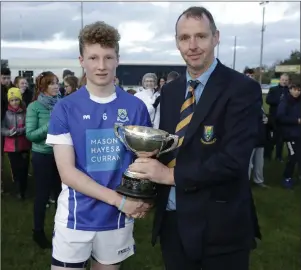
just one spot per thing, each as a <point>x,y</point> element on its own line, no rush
<point>294,59</point>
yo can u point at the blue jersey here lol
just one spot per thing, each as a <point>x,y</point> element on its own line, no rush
<point>87,123</point>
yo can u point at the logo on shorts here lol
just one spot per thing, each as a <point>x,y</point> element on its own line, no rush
<point>122,251</point>
<point>122,115</point>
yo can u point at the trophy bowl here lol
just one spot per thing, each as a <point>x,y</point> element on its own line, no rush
<point>145,140</point>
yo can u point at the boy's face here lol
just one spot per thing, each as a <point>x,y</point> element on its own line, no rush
<point>5,80</point>
<point>99,63</point>
<point>295,92</point>
<point>14,102</point>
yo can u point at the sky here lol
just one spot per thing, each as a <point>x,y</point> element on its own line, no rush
<point>50,29</point>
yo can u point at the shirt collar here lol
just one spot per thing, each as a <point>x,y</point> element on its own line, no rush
<point>205,76</point>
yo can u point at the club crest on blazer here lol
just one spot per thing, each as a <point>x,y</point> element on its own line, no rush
<point>208,135</point>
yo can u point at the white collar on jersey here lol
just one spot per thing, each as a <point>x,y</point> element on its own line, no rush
<point>103,100</point>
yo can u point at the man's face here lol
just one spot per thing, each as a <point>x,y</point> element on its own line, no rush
<point>5,80</point>
<point>284,80</point>
<point>196,42</point>
<point>99,63</point>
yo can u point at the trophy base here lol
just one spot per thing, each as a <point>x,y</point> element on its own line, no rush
<point>136,188</point>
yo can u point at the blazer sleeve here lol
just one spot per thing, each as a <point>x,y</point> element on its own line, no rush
<point>231,161</point>
<point>282,115</point>
<point>34,133</point>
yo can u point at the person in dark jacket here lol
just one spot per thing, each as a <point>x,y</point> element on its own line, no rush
<point>273,99</point>
<point>16,144</point>
<point>172,76</point>
<point>5,85</point>
<point>257,156</point>
<point>289,116</point>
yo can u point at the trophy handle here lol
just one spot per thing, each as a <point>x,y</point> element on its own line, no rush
<point>118,126</point>
<point>175,139</point>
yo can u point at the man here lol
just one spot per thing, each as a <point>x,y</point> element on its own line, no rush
<point>257,157</point>
<point>273,99</point>
<point>92,219</point>
<point>205,215</point>
<point>172,76</point>
<point>5,85</point>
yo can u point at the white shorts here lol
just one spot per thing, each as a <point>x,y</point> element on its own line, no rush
<point>107,247</point>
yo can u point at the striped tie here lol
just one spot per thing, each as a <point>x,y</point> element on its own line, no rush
<point>185,117</point>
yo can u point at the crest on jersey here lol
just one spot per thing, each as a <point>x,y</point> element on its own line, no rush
<point>122,115</point>
<point>208,135</point>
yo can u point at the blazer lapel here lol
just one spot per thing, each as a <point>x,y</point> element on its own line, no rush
<point>214,86</point>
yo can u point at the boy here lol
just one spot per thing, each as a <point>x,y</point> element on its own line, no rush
<point>92,219</point>
<point>289,116</point>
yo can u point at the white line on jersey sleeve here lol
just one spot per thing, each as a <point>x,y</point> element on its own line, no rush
<point>59,139</point>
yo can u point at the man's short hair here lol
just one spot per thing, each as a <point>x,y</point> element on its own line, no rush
<point>67,72</point>
<point>249,71</point>
<point>5,71</point>
<point>99,33</point>
<point>284,75</point>
<point>198,13</point>
<point>172,75</point>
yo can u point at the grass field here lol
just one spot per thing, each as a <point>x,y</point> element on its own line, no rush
<point>279,217</point>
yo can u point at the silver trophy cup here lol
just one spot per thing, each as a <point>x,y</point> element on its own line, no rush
<point>146,140</point>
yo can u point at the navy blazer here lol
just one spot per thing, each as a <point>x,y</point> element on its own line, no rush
<point>215,209</point>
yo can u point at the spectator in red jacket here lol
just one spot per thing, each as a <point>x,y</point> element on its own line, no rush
<point>15,143</point>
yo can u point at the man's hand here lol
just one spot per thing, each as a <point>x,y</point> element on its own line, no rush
<point>153,170</point>
<point>139,215</point>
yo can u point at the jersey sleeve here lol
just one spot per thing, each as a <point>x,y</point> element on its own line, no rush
<point>58,131</point>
